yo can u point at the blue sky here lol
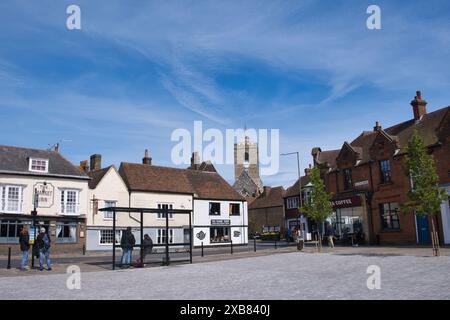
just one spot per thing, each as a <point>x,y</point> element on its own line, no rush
<point>137,70</point>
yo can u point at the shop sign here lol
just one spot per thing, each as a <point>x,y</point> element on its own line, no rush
<point>362,184</point>
<point>220,222</point>
<point>44,192</point>
<point>354,201</point>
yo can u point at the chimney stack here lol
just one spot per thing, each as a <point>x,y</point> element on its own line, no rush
<point>96,162</point>
<point>377,127</point>
<point>146,159</point>
<point>195,161</point>
<point>419,106</point>
<point>84,166</point>
<point>308,171</point>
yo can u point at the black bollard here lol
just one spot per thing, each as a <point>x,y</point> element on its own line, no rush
<point>231,246</point>
<point>254,244</point>
<point>202,249</point>
<point>9,258</point>
<point>275,244</point>
<point>84,249</point>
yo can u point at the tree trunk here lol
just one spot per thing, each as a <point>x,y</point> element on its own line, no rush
<point>435,238</point>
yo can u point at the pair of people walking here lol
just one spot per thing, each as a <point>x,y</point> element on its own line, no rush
<point>42,248</point>
<point>127,243</point>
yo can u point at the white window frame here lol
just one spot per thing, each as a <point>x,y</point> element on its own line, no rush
<point>160,215</point>
<point>63,205</point>
<point>106,213</point>
<point>160,237</point>
<point>118,236</point>
<point>4,201</point>
<point>30,165</point>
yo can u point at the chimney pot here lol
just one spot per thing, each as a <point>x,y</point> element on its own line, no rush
<point>146,160</point>
<point>96,162</point>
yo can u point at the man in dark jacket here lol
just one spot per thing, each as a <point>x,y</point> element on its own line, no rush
<point>43,245</point>
<point>24,241</point>
<point>127,243</point>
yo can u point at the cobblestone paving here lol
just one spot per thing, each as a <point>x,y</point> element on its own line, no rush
<point>281,276</point>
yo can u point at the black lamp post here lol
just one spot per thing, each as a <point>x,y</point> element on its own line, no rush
<point>34,214</point>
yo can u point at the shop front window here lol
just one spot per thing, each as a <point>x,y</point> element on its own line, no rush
<point>347,223</point>
<point>107,237</point>
<point>66,233</point>
<point>219,234</point>
<point>10,230</point>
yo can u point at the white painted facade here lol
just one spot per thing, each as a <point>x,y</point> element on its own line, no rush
<point>110,191</point>
<point>62,200</point>
<point>233,227</point>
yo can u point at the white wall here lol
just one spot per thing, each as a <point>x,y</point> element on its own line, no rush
<point>151,200</point>
<point>54,184</point>
<point>202,221</point>
<point>110,188</point>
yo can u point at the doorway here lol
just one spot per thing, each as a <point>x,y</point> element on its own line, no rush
<point>423,230</point>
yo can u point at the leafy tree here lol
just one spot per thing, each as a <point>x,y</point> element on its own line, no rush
<point>319,207</point>
<point>425,196</point>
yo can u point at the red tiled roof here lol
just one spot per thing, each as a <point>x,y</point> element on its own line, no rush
<point>202,184</point>
<point>271,197</point>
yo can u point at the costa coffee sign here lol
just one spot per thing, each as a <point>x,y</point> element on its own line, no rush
<point>354,201</point>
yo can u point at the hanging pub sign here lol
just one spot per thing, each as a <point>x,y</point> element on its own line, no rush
<point>220,222</point>
<point>354,201</point>
<point>44,193</point>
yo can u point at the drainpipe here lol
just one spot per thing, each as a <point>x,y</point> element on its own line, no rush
<point>369,196</point>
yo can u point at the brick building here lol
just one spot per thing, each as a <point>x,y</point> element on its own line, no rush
<point>266,212</point>
<point>367,179</point>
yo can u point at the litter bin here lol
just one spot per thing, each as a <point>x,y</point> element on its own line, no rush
<point>300,244</point>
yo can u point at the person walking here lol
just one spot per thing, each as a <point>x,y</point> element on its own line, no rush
<point>127,243</point>
<point>24,242</point>
<point>330,234</point>
<point>43,245</point>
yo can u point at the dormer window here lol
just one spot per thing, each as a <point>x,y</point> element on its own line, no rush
<point>38,165</point>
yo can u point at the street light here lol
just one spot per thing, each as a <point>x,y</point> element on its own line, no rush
<point>300,201</point>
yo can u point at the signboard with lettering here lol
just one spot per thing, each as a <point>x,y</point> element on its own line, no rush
<point>44,192</point>
<point>362,184</point>
<point>220,222</point>
<point>354,201</point>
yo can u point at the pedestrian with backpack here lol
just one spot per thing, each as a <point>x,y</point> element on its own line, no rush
<point>43,244</point>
